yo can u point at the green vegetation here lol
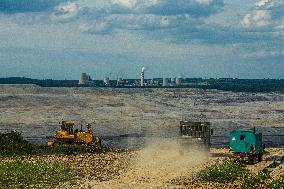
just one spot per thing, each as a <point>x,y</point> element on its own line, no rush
<point>43,83</point>
<point>245,85</point>
<point>277,184</point>
<point>251,181</point>
<point>227,171</point>
<point>22,174</point>
<point>12,144</point>
<point>261,180</point>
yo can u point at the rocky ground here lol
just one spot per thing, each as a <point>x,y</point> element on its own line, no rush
<point>158,163</point>
<point>36,111</point>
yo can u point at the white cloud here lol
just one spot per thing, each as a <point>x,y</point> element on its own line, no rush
<point>126,3</point>
<point>95,27</point>
<point>246,21</point>
<point>154,14</point>
<point>100,27</point>
<point>267,14</point>
<point>280,26</point>
<point>262,3</point>
<point>265,53</point>
<point>261,18</point>
<point>144,15</point>
<point>205,2</point>
<point>65,11</point>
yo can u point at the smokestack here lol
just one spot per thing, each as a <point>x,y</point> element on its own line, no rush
<point>142,77</point>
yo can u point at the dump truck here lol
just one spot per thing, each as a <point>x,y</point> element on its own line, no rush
<point>246,145</point>
<point>67,134</point>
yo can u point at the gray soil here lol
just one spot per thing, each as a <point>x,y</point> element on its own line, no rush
<point>122,116</point>
<point>143,118</point>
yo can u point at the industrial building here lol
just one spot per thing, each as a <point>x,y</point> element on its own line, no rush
<point>85,79</point>
<point>106,81</point>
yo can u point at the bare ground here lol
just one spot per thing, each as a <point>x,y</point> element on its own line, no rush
<point>160,165</point>
<point>36,111</point>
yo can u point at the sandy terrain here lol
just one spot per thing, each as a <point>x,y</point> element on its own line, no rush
<point>159,165</point>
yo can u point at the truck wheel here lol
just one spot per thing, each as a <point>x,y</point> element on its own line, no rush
<point>259,157</point>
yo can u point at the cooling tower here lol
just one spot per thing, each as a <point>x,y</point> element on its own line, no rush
<point>83,79</point>
<point>165,82</point>
<point>178,81</point>
<point>106,81</point>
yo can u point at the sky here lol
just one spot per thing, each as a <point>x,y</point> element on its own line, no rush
<point>59,39</point>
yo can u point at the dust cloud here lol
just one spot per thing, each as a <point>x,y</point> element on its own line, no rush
<point>157,164</point>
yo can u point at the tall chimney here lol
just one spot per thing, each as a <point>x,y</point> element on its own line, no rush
<point>142,78</point>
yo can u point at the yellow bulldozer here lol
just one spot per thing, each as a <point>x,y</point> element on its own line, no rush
<point>67,134</point>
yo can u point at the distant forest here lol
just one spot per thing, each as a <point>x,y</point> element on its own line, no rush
<point>246,85</point>
<point>43,83</point>
<point>225,84</point>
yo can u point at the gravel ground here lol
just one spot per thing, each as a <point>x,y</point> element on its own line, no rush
<point>160,165</point>
<point>36,111</point>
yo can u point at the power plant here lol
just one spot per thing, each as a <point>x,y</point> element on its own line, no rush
<point>85,79</point>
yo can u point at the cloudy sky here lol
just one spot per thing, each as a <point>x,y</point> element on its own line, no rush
<point>191,38</point>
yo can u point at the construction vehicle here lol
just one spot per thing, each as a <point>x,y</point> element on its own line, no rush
<point>195,135</point>
<point>246,145</point>
<point>69,135</point>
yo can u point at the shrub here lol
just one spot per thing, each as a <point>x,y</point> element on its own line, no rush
<point>22,174</point>
<point>277,184</point>
<point>251,181</point>
<point>227,171</point>
<point>261,180</point>
<point>13,143</point>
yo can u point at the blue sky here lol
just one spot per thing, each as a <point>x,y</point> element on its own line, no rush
<point>190,38</point>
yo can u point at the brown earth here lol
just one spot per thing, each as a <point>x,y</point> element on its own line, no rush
<point>161,165</point>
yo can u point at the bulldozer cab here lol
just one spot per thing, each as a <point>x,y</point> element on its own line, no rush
<point>69,134</point>
<point>68,126</point>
